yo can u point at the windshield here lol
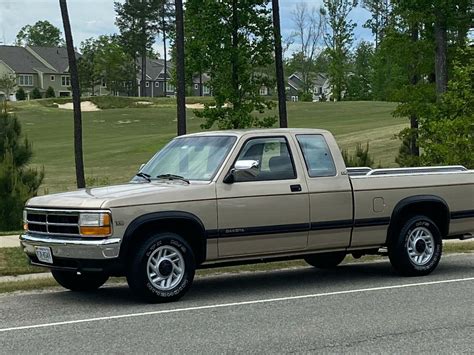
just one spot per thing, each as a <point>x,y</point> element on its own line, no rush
<point>192,158</point>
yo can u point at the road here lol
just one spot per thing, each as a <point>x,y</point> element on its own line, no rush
<point>355,308</point>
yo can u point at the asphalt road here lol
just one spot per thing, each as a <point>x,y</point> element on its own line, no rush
<point>355,308</point>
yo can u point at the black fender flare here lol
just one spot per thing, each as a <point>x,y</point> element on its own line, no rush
<point>413,200</point>
<point>163,216</point>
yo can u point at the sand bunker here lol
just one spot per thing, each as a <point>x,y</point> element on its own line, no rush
<point>144,103</point>
<point>195,106</point>
<point>86,106</point>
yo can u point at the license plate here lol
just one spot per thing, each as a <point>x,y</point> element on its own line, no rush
<point>44,254</point>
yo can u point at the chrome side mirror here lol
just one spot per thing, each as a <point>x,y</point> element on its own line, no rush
<point>243,169</point>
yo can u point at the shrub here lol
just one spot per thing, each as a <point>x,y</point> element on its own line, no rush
<point>360,158</point>
<point>36,94</point>
<point>49,93</point>
<point>306,97</point>
<point>20,94</point>
<point>18,183</point>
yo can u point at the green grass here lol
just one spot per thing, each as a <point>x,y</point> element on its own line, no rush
<point>13,261</point>
<point>117,141</point>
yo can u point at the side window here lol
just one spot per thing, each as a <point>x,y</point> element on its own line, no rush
<point>273,157</point>
<point>317,155</point>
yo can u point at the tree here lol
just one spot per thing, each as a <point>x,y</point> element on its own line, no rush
<point>36,94</point>
<point>76,97</point>
<point>309,28</point>
<point>238,40</point>
<point>7,84</point>
<point>18,183</point>
<point>20,94</point>
<point>49,93</point>
<point>360,158</point>
<point>180,69</point>
<point>359,80</point>
<point>138,22</point>
<point>279,65</point>
<point>41,34</point>
<point>381,16</point>
<point>338,39</point>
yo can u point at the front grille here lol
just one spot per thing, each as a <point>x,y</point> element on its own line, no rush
<point>53,222</point>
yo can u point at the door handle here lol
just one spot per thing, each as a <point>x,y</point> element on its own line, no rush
<point>295,188</point>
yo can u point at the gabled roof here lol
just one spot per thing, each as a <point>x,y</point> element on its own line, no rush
<point>54,56</point>
<point>21,61</point>
<point>154,68</point>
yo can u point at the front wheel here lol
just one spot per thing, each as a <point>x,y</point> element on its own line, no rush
<point>325,260</point>
<point>162,268</point>
<point>86,281</point>
<point>416,249</point>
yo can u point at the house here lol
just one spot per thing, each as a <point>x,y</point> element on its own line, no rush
<point>201,85</point>
<point>37,67</point>
<point>156,78</point>
<point>320,87</point>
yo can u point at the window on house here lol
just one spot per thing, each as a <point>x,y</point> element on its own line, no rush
<point>52,78</point>
<point>147,84</point>
<point>25,80</point>
<point>157,84</point>
<point>263,91</point>
<point>206,90</point>
<point>169,87</point>
<point>103,83</point>
<point>65,81</point>
<point>196,86</point>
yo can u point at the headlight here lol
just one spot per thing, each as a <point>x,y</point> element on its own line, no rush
<point>95,224</point>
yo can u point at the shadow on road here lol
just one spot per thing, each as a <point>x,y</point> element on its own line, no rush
<point>271,284</point>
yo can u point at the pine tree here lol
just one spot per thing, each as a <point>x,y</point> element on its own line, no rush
<point>18,183</point>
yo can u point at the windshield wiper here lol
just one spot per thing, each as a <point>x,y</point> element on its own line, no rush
<point>147,177</point>
<point>172,177</point>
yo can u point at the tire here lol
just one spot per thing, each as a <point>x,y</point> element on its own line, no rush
<point>416,249</point>
<point>89,281</point>
<point>162,268</point>
<point>325,260</point>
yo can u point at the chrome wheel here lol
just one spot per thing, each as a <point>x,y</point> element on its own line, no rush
<point>420,246</point>
<point>165,267</point>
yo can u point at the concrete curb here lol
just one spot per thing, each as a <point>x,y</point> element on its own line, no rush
<point>26,277</point>
<point>9,241</point>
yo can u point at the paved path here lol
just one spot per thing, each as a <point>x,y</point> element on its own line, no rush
<point>9,241</point>
<point>363,308</point>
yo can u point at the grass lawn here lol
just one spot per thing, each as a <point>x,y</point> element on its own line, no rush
<point>117,141</point>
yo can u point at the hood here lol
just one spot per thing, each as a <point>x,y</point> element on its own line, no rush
<point>126,194</point>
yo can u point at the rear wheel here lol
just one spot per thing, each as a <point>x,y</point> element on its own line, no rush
<point>416,249</point>
<point>162,269</point>
<point>86,281</point>
<point>325,260</point>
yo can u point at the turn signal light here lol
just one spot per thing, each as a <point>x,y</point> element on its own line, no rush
<point>97,231</point>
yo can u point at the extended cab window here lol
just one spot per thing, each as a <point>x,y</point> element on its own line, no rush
<point>273,157</point>
<point>317,155</point>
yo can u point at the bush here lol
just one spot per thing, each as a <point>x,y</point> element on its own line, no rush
<point>306,97</point>
<point>360,158</point>
<point>36,94</point>
<point>20,94</point>
<point>49,93</point>
<point>17,182</point>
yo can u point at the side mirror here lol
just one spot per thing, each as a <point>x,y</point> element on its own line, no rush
<point>244,169</point>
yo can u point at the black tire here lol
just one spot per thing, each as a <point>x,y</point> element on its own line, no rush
<point>325,260</point>
<point>140,274</point>
<point>87,281</point>
<point>406,257</point>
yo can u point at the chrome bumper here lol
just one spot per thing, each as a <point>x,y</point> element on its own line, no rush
<point>102,249</point>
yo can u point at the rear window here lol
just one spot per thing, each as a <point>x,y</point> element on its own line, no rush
<point>317,155</point>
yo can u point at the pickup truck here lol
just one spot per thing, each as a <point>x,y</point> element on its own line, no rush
<point>232,197</point>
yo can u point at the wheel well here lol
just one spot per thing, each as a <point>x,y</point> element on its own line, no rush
<point>188,229</point>
<point>437,211</point>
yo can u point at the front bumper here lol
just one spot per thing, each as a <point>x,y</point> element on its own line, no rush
<point>72,248</point>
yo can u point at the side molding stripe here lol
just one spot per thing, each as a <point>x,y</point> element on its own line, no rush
<point>462,214</point>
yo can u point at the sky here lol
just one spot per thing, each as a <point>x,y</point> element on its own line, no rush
<point>91,18</point>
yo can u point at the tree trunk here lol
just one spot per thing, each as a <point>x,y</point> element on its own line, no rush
<point>414,149</point>
<point>76,97</point>
<point>165,54</point>
<point>235,55</point>
<point>441,70</point>
<point>180,75</point>
<point>279,65</point>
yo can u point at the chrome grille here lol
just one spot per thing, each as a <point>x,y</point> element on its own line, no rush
<point>53,222</point>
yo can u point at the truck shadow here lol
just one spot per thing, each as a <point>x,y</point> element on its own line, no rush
<point>269,284</point>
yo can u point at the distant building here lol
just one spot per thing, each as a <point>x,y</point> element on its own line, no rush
<point>320,87</point>
<point>37,67</point>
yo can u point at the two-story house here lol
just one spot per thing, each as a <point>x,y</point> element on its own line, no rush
<point>37,67</point>
<point>157,79</point>
<point>320,86</point>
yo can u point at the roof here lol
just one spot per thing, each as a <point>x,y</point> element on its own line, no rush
<point>205,78</point>
<point>55,56</point>
<point>317,79</point>
<point>154,68</point>
<point>20,60</point>
<point>275,131</point>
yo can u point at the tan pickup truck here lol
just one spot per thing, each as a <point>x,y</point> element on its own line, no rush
<point>235,197</point>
